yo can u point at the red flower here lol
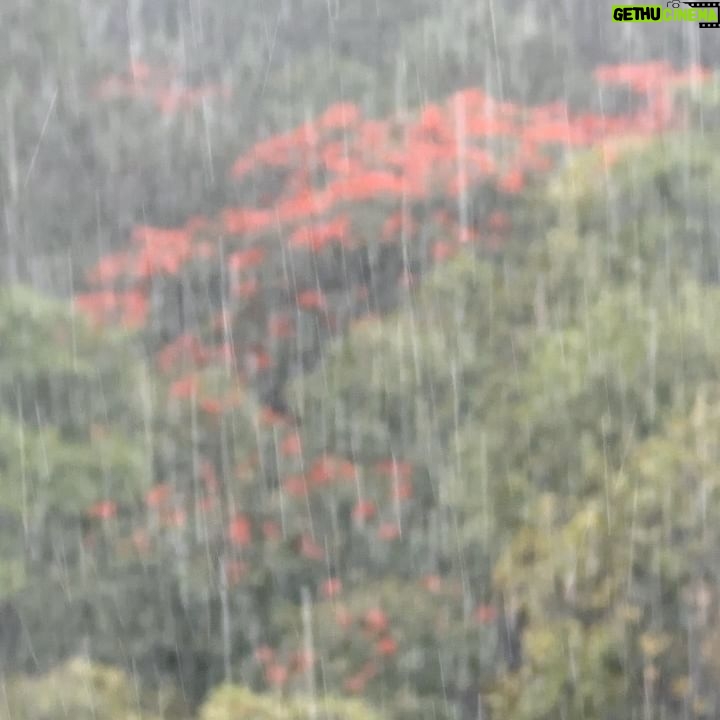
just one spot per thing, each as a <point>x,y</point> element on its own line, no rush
<point>327,468</point>
<point>304,205</point>
<point>130,308</point>
<point>280,326</point>
<point>332,587</point>
<point>499,220</point>
<point>241,221</point>
<point>258,360</point>
<point>109,268</point>
<point>356,683</point>
<point>174,518</point>
<point>184,388</point>
<point>366,186</point>
<point>562,132</point>
<point>168,101</point>
<point>242,166</point>
<point>402,490</point>
<point>394,469</point>
<point>301,661</point>
<point>268,416</point>
<point>196,223</point>
<point>291,446</point>
<point>457,186</point>
<point>388,531</point>
<point>480,162</point>
<point>336,159</point>
<point>386,646</point>
<point>211,406</point>
<point>158,496</point>
<point>276,675</point>
<point>310,549</point>
<point>466,235</point>
<point>432,583</point>
<point>316,237</point>
<point>243,259</point>
<point>240,531</point>
<point>434,123</point>
<point>135,308</point>
<point>185,348</point>
<point>246,289</point>
<point>204,250</point>
<point>489,126</point>
<point>141,540</point>
<point>295,486</point>
<point>512,182</point>
<point>442,251</point>
<point>485,614</point>
<point>364,510</point>
<point>312,300</point>
<point>693,73</point>
<point>139,71</point>
<point>373,134</point>
<point>151,261</point>
<point>376,620</point>
<point>103,510</point>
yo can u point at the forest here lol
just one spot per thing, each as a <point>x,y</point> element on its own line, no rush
<point>358,362</point>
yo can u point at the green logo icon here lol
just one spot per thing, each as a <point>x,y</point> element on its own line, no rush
<point>705,13</point>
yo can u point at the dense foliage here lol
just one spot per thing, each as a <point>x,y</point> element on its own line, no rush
<point>408,409</point>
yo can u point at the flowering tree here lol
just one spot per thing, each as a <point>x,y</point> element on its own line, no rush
<point>283,529</point>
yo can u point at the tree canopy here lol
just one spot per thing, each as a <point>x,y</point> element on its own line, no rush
<point>383,383</point>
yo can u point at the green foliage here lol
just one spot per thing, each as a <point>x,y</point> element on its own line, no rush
<point>612,544</point>
<point>229,702</point>
<point>651,216</point>
<point>555,408</point>
<point>72,427</point>
<point>558,401</point>
<point>77,689</point>
<point>559,650</point>
<point>71,411</point>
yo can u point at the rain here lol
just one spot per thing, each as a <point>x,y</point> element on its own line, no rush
<point>358,361</point>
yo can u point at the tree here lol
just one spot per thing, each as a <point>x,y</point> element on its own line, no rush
<point>523,391</point>
<point>228,702</point>
<point>71,420</point>
<point>78,689</point>
<point>450,434</point>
